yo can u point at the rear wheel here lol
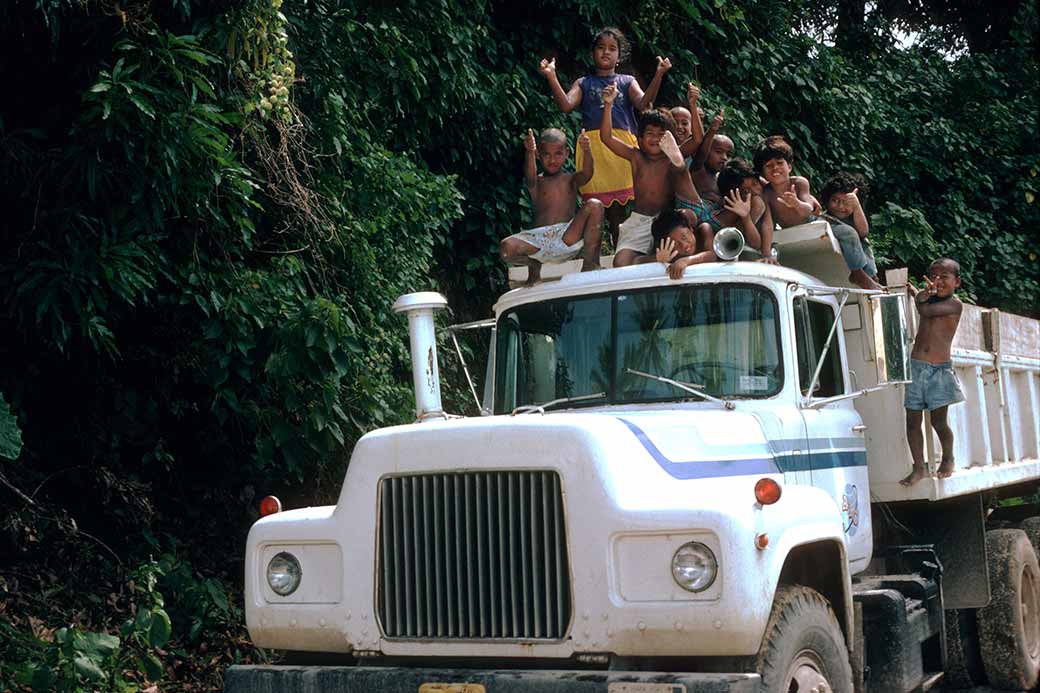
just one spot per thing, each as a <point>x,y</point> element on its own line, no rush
<point>803,649</point>
<point>1009,628</point>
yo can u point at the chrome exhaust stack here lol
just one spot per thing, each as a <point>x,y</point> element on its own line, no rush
<point>728,243</point>
<point>423,341</point>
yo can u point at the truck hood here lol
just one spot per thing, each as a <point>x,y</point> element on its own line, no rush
<point>626,451</point>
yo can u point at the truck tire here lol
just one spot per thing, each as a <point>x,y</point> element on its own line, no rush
<point>803,648</point>
<point>963,662</point>
<point>1031,526</point>
<point>1009,628</point>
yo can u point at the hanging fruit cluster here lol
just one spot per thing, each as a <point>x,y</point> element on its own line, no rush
<point>259,50</point>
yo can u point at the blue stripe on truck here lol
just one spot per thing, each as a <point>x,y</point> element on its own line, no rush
<point>774,464</point>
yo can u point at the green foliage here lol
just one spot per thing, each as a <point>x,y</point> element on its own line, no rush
<point>10,434</point>
<point>73,659</point>
<point>196,287</point>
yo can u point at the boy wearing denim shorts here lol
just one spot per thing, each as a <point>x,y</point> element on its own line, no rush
<point>935,386</point>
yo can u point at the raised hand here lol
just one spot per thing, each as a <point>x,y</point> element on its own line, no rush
<point>609,94</point>
<point>547,67</point>
<point>736,203</point>
<point>666,251</point>
<point>693,92</point>
<point>789,198</point>
<point>584,143</point>
<point>718,120</point>
<point>529,143</point>
<point>853,198</point>
<point>929,286</point>
<point>671,149</point>
<point>663,65</point>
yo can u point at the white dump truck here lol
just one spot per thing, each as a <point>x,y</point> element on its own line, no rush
<point>674,486</point>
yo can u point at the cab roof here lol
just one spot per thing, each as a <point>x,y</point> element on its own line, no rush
<point>651,275</point>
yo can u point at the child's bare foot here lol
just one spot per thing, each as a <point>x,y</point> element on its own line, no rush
<point>671,149</point>
<point>864,280</point>
<point>945,469</point>
<point>913,477</point>
<point>590,264</point>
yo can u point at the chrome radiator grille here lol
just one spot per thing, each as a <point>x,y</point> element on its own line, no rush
<point>473,555</point>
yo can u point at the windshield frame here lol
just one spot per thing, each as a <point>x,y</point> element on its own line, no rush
<point>611,398</point>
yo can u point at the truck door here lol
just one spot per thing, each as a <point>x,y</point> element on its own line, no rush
<point>834,431</point>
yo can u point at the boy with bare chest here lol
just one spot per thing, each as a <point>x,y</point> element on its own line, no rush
<point>559,235</point>
<point>657,170</point>
<point>935,386</point>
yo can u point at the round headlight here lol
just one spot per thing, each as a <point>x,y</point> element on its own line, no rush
<point>284,573</point>
<point>694,567</point>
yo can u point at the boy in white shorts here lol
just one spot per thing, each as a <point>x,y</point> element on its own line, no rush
<point>559,234</point>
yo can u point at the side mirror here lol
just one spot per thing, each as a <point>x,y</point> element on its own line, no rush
<point>891,338</point>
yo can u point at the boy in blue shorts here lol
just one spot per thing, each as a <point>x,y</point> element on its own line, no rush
<point>935,386</point>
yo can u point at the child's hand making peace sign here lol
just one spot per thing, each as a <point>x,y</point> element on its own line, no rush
<point>609,94</point>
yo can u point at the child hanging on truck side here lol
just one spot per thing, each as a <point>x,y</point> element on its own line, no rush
<point>792,204</point>
<point>612,183</point>
<point>934,385</point>
<point>559,235</point>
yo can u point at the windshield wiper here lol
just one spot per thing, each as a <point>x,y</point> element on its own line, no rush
<point>540,408</point>
<point>688,387</point>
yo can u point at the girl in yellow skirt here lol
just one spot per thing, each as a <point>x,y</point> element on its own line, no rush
<point>611,182</point>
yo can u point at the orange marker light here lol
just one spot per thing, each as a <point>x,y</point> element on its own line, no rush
<point>761,541</point>
<point>270,505</point>
<point>767,491</point>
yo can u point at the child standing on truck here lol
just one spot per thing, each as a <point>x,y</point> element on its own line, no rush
<point>559,235</point>
<point>713,151</point>
<point>792,204</point>
<point>612,183</point>
<point>657,171</point>
<point>935,386</point>
<point>689,131</point>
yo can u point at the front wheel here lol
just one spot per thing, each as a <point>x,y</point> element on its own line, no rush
<point>803,649</point>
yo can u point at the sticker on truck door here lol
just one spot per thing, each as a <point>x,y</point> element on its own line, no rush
<point>452,688</point>
<point>625,687</point>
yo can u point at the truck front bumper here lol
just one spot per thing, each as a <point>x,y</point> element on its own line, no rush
<point>343,679</point>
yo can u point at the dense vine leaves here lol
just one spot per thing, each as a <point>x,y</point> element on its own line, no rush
<point>210,206</point>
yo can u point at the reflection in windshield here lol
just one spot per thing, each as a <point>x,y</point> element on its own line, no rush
<point>724,338</point>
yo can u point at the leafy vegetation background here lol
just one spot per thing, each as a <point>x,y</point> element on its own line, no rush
<point>208,208</point>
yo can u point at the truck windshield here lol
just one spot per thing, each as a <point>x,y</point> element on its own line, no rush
<point>723,339</point>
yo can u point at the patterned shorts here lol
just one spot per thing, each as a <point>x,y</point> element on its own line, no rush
<point>550,244</point>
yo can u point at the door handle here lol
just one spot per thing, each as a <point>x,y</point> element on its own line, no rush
<point>859,428</point>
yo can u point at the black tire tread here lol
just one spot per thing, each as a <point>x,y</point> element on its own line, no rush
<point>793,607</point>
<point>1008,551</point>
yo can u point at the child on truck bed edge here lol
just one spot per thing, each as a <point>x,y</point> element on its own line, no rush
<point>559,234</point>
<point>935,386</point>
